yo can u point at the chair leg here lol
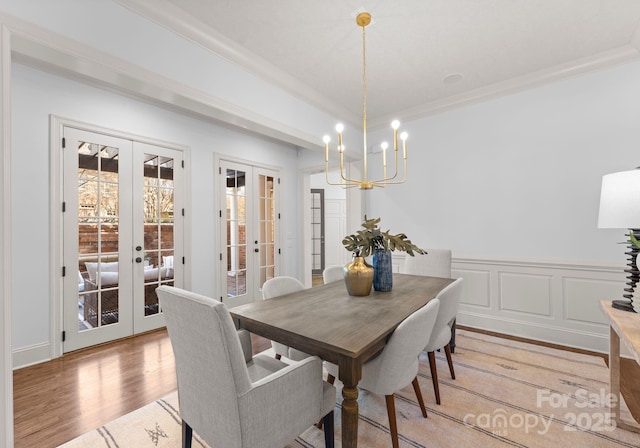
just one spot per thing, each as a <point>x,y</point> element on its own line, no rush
<point>187,435</point>
<point>434,375</point>
<point>393,427</point>
<point>416,389</point>
<point>328,430</point>
<point>447,352</point>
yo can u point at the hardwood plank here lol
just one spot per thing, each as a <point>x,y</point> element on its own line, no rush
<point>58,400</point>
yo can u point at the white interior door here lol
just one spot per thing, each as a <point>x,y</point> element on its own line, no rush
<point>249,231</point>
<point>120,235</point>
<point>158,215</point>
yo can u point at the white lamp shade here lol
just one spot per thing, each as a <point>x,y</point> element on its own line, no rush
<point>620,200</point>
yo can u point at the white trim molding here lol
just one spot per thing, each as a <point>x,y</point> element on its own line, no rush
<point>6,375</point>
<point>44,50</point>
<point>550,301</point>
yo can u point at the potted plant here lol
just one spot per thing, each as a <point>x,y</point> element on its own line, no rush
<point>373,241</point>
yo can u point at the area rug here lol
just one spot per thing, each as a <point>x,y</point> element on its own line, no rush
<point>506,394</point>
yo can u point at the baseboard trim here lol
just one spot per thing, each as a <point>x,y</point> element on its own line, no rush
<point>545,334</point>
<point>535,342</point>
<point>34,354</point>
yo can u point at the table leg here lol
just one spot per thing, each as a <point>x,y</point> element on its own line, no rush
<point>350,373</point>
<point>614,370</point>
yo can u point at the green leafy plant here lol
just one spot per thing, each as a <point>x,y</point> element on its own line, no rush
<point>364,242</point>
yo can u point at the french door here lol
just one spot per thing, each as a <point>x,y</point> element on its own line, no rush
<point>122,235</point>
<point>249,231</point>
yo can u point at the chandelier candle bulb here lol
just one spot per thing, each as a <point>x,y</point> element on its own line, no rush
<point>384,146</point>
<point>326,140</point>
<point>404,136</point>
<point>395,124</point>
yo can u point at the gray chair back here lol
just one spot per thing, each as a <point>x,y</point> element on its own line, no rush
<point>397,364</point>
<point>333,274</point>
<point>210,364</point>
<point>279,286</point>
<point>449,304</point>
<point>435,263</point>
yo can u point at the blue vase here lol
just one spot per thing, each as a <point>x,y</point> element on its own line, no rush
<point>382,272</point>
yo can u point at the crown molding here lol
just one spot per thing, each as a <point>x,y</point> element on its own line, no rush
<point>36,47</point>
<point>168,16</point>
<point>616,56</point>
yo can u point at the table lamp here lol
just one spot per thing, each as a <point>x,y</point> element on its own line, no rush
<point>620,209</point>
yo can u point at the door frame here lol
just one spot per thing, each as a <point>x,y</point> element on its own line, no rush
<point>217,158</point>
<point>356,208</point>
<point>56,124</point>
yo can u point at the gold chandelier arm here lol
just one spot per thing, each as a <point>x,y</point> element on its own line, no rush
<point>390,180</point>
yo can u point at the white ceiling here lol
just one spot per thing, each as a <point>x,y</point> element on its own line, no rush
<point>313,48</point>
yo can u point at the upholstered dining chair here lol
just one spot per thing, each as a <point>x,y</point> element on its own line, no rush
<point>397,365</point>
<point>279,286</point>
<point>435,263</point>
<point>441,333</point>
<point>332,274</point>
<point>229,397</point>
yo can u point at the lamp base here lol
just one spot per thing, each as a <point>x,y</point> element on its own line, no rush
<point>622,305</point>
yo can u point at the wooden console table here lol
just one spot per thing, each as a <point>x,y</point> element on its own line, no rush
<point>624,373</point>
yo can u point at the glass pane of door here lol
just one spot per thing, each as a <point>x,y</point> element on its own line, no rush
<point>266,228</point>
<point>317,231</point>
<point>236,232</point>
<point>158,211</point>
<point>98,230</point>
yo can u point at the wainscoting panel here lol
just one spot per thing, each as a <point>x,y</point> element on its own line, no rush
<point>552,301</point>
<point>548,301</point>
<point>477,287</point>
<point>582,297</point>
<point>525,293</point>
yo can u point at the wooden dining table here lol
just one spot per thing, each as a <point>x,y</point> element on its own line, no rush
<point>342,329</point>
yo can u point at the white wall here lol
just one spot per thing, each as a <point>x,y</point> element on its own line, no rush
<point>519,176</point>
<point>36,95</point>
<point>512,186</point>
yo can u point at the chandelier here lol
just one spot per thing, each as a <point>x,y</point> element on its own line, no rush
<point>362,20</point>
